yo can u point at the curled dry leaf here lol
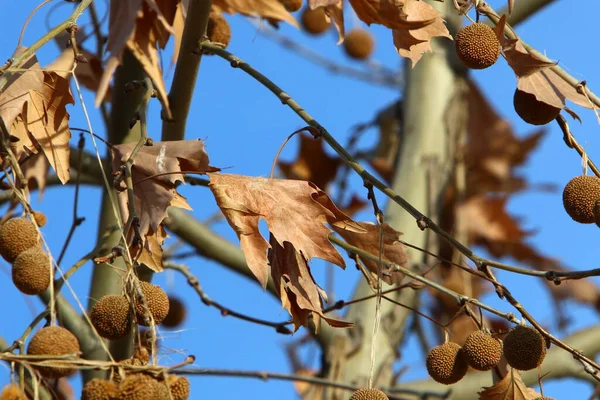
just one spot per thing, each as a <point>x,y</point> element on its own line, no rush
<point>296,213</point>
<point>312,163</point>
<point>535,76</point>
<point>393,250</point>
<point>299,292</point>
<point>33,107</point>
<point>143,27</point>
<point>511,387</point>
<point>154,172</point>
<point>414,23</point>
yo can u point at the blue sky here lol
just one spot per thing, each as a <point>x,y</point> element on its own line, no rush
<point>229,107</point>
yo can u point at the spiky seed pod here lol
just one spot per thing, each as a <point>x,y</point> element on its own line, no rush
<point>158,303</point>
<point>12,392</point>
<point>177,313</point>
<point>53,341</point>
<point>314,21</point>
<point>179,387</point>
<point>482,350</point>
<point>40,218</point>
<point>142,387</point>
<point>31,271</point>
<point>369,394</point>
<point>99,389</point>
<point>477,46</point>
<point>580,196</point>
<point>533,111</point>
<point>218,30</point>
<point>16,236</point>
<point>359,44</point>
<point>111,316</point>
<point>291,5</point>
<point>524,348</point>
<point>447,363</point>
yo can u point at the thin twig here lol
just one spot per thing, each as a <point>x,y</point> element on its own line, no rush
<point>225,311</point>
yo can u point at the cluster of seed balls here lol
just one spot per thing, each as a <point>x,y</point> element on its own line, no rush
<point>524,348</point>
<point>478,47</point>
<point>20,245</point>
<point>358,43</point>
<point>136,385</point>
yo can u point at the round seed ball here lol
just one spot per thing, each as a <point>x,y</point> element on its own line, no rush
<point>158,303</point>
<point>111,316</point>
<point>179,386</point>
<point>16,236</point>
<point>447,363</point>
<point>482,350</point>
<point>477,46</point>
<point>99,389</point>
<point>314,21</point>
<point>369,394</point>
<point>142,387</point>
<point>580,196</point>
<point>53,341</point>
<point>218,30</point>
<point>177,313</point>
<point>12,392</point>
<point>31,271</point>
<point>359,44</point>
<point>40,218</point>
<point>524,348</point>
<point>533,111</point>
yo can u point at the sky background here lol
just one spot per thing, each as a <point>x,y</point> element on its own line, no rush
<point>244,125</point>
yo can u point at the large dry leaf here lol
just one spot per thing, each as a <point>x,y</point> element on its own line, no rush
<point>535,76</point>
<point>414,23</point>
<point>143,27</point>
<point>312,163</point>
<point>511,387</point>
<point>393,250</point>
<point>295,212</point>
<point>154,172</point>
<point>33,107</point>
<point>299,292</point>
<point>493,151</point>
<point>268,9</point>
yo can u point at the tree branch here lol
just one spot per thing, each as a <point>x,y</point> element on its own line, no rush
<point>186,70</point>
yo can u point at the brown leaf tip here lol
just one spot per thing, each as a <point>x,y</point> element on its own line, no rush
<point>477,46</point>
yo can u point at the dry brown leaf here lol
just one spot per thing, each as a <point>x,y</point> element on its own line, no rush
<point>272,10</point>
<point>142,26</point>
<point>295,212</point>
<point>511,387</point>
<point>535,76</point>
<point>154,172</point>
<point>35,171</point>
<point>335,13</point>
<point>88,73</point>
<point>312,163</point>
<point>33,107</point>
<point>299,292</point>
<point>149,252</point>
<point>414,23</point>
<point>368,241</point>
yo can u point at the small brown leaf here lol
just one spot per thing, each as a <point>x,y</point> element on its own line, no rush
<point>312,163</point>
<point>368,241</point>
<point>154,172</point>
<point>511,387</point>
<point>536,77</point>
<point>295,212</point>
